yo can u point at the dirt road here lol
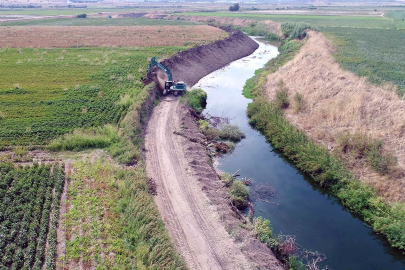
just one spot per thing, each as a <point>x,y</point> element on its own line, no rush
<point>193,223</point>
<point>190,196</point>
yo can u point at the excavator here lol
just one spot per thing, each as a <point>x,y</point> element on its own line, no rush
<point>170,85</point>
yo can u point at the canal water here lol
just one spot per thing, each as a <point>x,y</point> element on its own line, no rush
<point>300,207</point>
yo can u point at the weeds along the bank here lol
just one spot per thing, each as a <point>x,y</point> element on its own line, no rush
<point>122,215</point>
<point>328,170</point>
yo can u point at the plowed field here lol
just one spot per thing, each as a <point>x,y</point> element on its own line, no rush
<point>108,36</point>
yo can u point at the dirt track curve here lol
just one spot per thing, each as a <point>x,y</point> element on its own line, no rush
<point>190,197</point>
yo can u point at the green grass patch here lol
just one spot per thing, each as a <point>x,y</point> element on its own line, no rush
<point>112,208</point>
<point>61,11</point>
<point>45,93</point>
<point>374,53</point>
<point>196,99</point>
<point>316,20</point>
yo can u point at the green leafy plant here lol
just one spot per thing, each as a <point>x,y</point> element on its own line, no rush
<point>239,194</point>
<point>196,99</point>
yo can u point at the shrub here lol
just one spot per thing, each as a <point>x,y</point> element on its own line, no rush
<point>359,146</point>
<point>298,102</point>
<point>196,99</point>
<point>227,178</point>
<point>82,16</point>
<point>234,7</point>
<point>281,100</point>
<point>292,30</point>
<point>230,132</point>
<point>20,150</point>
<point>263,231</point>
<point>239,194</point>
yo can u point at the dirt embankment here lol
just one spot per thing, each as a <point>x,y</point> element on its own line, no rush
<point>191,198</point>
<point>270,26</point>
<point>191,65</point>
<point>336,102</point>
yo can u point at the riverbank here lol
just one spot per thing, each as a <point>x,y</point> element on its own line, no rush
<point>190,196</point>
<point>279,105</point>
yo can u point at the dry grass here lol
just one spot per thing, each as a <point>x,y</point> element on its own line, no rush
<point>337,103</point>
<point>107,36</point>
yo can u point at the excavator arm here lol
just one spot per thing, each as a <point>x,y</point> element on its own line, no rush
<point>154,63</point>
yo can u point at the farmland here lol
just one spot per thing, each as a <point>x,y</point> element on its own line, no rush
<point>107,36</point>
<point>29,215</point>
<point>48,92</point>
<point>369,46</point>
<point>95,22</point>
<point>102,232</point>
<point>75,95</point>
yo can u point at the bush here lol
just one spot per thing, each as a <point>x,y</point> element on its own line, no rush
<point>292,30</point>
<point>82,15</point>
<point>298,102</point>
<point>230,132</point>
<point>281,100</point>
<point>359,146</point>
<point>239,194</point>
<point>234,7</point>
<point>196,99</point>
<point>263,231</point>
<point>227,178</point>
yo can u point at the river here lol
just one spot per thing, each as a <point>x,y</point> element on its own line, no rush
<point>300,207</point>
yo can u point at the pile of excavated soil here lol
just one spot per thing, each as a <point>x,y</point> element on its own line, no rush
<point>337,102</point>
<point>190,196</point>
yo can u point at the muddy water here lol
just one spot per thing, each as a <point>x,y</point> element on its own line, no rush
<point>300,207</point>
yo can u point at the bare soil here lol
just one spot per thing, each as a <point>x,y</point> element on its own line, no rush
<point>337,102</point>
<point>107,36</point>
<point>190,196</point>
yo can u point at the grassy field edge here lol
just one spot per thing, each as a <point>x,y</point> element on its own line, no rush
<point>314,159</point>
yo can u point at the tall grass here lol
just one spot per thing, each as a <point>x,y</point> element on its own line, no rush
<point>328,170</point>
<point>113,206</point>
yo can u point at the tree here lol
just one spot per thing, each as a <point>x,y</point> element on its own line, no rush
<point>235,7</point>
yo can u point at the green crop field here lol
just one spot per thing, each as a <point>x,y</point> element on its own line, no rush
<point>95,22</point>
<point>368,46</point>
<point>375,53</point>
<point>45,93</point>
<point>29,214</point>
<point>62,11</point>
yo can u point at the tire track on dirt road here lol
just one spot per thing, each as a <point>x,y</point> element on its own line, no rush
<point>194,226</point>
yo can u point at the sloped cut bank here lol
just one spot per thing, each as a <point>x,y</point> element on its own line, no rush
<point>190,196</point>
<point>191,65</point>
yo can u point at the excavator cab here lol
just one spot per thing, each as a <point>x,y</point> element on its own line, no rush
<point>170,85</point>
